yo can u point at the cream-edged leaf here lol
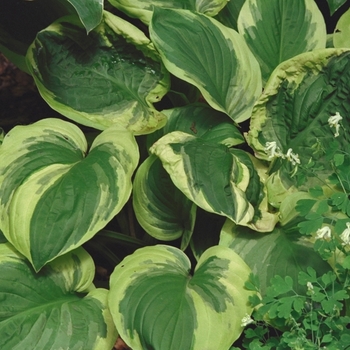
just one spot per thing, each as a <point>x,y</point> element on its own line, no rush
<point>111,76</point>
<point>55,195</point>
<point>156,281</point>
<point>202,51</point>
<point>50,309</point>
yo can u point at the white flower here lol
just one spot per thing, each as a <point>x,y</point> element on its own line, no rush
<point>292,157</point>
<point>323,233</point>
<point>333,122</point>
<point>309,286</point>
<point>345,236</point>
<point>272,149</point>
<point>246,320</point>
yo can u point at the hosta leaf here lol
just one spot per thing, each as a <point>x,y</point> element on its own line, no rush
<point>208,174</point>
<point>202,121</point>
<point>341,36</point>
<point>160,207</point>
<point>90,12</point>
<point>334,5</point>
<point>271,254</point>
<point>47,310</point>
<point>209,55</point>
<point>111,76</point>
<point>143,9</point>
<point>210,7</point>
<point>203,311</point>
<point>269,25</point>
<point>229,14</point>
<point>292,110</point>
<point>53,198</point>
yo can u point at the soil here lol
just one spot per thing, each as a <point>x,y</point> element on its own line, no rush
<point>20,101</point>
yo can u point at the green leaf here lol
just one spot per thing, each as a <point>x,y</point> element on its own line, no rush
<point>280,285</point>
<point>162,209</point>
<point>292,112</point>
<point>346,263</point>
<point>268,25</point>
<point>54,197</point>
<point>342,31</point>
<point>307,276</point>
<point>111,76</point>
<point>202,121</point>
<point>304,206</point>
<point>229,14</point>
<point>338,159</point>
<point>143,9</point>
<point>271,254</point>
<point>316,191</point>
<point>47,310</point>
<point>334,5</point>
<point>156,281</point>
<point>210,7</point>
<point>310,226</point>
<point>208,174</point>
<point>293,208</point>
<point>189,44</point>
<point>90,12</point>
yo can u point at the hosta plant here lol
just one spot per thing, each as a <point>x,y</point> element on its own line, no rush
<point>211,135</point>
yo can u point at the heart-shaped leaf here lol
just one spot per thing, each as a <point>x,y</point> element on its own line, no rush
<point>202,51</point>
<point>111,76</point>
<point>269,25</point>
<point>53,198</point>
<point>47,310</point>
<point>156,304</point>
<point>160,207</point>
<point>276,253</point>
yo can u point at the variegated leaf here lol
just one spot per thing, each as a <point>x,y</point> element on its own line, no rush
<point>143,9</point>
<point>54,196</point>
<point>278,30</point>
<point>111,76</point>
<point>202,121</point>
<point>156,304</point>
<point>209,174</point>
<point>161,208</point>
<point>202,51</point>
<point>47,310</point>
